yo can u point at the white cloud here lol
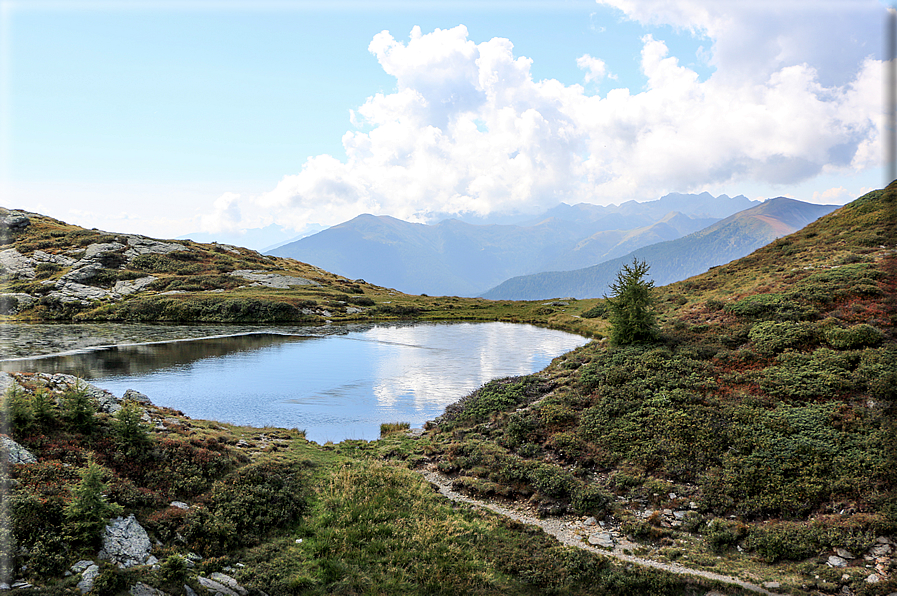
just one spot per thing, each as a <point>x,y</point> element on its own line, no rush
<point>469,130</point>
<point>594,67</point>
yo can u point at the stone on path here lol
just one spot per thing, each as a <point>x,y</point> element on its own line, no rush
<point>604,540</point>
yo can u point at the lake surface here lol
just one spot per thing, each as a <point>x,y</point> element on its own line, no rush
<point>335,382</point>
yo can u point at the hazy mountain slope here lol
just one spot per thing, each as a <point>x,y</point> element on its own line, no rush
<point>731,238</point>
<point>458,258</point>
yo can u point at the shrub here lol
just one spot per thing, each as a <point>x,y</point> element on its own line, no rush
<point>80,408</point>
<point>388,428</point>
<point>858,336</point>
<point>772,337</point>
<point>129,428</point>
<point>361,300</point>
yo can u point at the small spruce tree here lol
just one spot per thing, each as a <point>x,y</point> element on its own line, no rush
<point>129,427</point>
<point>86,515</point>
<point>630,313</point>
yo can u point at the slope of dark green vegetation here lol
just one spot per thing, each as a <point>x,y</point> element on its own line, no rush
<point>765,410</point>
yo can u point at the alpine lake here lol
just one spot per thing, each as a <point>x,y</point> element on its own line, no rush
<point>335,382</point>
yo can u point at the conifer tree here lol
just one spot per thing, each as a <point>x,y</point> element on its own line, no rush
<point>86,515</point>
<point>631,316</point>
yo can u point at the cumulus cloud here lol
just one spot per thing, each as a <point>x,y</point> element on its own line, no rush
<point>594,67</point>
<point>468,130</point>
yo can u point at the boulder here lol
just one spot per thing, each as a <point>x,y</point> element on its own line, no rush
<point>131,395</point>
<point>216,587</point>
<point>81,273</point>
<point>7,382</point>
<point>15,265</point>
<point>14,221</point>
<point>126,288</point>
<point>126,543</point>
<point>604,540</point>
<point>15,453</point>
<point>141,245</point>
<point>87,578</point>
<point>71,291</point>
<point>836,561</point>
<point>228,581</point>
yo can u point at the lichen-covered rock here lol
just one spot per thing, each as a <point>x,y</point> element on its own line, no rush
<point>87,578</point>
<point>141,245</point>
<point>126,543</point>
<point>273,280</point>
<point>46,257</point>
<point>15,453</point>
<point>15,265</point>
<point>126,288</point>
<point>71,291</point>
<point>14,221</point>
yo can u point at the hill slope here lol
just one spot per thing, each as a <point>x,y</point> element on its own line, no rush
<point>731,238</point>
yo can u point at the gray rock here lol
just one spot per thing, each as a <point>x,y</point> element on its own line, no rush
<point>81,565</point>
<point>131,395</point>
<point>836,561</point>
<point>844,554</point>
<point>16,265</point>
<point>15,453</point>
<point>81,273</point>
<point>46,257</point>
<point>11,304</point>
<point>14,221</point>
<point>141,245</point>
<point>880,550</point>
<point>352,310</point>
<point>7,382</point>
<point>188,591</point>
<point>141,589</point>
<point>273,280</point>
<point>126,543</point>
<point>215,587</point>
<point>772,585</point>
<point>590,521</point>
<point>604,540</point>
<point>126,288</point>
<point>71,291</point>
<point>98,249</point>
<point>873,579</point>
<point>179,505</point>
<point>87,578</point>
<point>227,581</point>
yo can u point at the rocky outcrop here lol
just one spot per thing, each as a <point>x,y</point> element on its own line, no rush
<point>126,543</point>
<point>131,395</point>
<point>126,288</point>
<point>15,453</point>
<point>141,245</point>
<point>272,280</point>
<point>14,221</point>
<point>70,291</point>
<point>15,265</point>
<point>40,256</point>
<point>11,304</point>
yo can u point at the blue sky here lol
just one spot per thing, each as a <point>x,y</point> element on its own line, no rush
<point>166,118</point>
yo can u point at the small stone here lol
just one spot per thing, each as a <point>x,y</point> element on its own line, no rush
<point>132,395</point>
<point>772,585</point>
<point>215,587</point>
<point>141,589</point>
<point>179,505</point>
<point>81,565</point>
<point>228,581</point>
<point>298,541</point>
<point>604,540</point>
<point>880,550</point>
<point>873,579</point>
<point>188,591</point>
<point>836,561</point>
<point>21,585</point>
<point>844,553</point>
<point>590,521</point>
<point>672,496</point>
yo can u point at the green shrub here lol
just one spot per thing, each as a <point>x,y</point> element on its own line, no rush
<point>823,374</point>
<point>771,337</point>
<point>858,336</point>
<point>597,311</point>
<point>722,534</point>
<point>778,307</point>
<point>361,300</point>
<point>591,500</point>
<point>80,408</point>
<point>129,427</point>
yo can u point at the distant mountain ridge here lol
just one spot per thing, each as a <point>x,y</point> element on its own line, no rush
<point>674,260</point>
<point>453,257</point>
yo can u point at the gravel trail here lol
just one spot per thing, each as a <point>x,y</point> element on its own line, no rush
<point>563,532</point>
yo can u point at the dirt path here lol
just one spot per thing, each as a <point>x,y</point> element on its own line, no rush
<point>565,534</point>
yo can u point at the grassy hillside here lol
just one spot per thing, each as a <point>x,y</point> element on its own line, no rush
<point>52,271</point>
<point>729,239</point>
<point>765,414</point>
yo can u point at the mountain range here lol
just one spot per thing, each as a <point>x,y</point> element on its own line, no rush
<point>454,257</point>
<point>674,260</point>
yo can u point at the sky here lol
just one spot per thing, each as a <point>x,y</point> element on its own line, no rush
<point>168,118</point>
